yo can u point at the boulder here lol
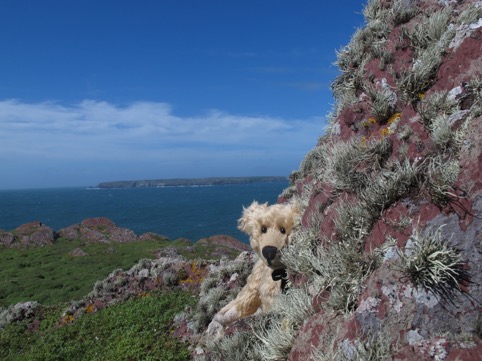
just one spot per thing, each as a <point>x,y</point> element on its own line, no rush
<point>28,234</point>
<point>98,222</point>
<point>98,230</point>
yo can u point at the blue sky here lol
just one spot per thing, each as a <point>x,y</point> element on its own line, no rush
<point>95,91</point>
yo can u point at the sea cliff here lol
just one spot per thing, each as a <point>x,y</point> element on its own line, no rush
<point>190,182</point>
<point>386,262</point>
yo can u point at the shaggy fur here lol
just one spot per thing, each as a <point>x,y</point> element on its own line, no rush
<point>269,228</point>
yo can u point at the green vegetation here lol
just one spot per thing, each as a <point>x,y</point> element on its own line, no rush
<point>50,274</point>
<point>138,329</point>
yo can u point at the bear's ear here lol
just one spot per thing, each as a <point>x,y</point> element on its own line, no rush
<point>248,222</point>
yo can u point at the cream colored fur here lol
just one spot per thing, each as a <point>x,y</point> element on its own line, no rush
<point>266,226</point>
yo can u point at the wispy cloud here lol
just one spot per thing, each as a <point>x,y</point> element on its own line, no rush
<point>99,132</point>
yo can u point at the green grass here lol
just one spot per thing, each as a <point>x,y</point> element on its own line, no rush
<point>50,275</point>
<point>139,329</point>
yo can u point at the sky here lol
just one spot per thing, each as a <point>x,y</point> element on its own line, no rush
<point>106,90</point>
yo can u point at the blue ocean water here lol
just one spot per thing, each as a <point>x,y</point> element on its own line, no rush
<point>189,212</point>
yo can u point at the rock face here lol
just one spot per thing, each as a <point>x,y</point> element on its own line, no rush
<point>29,234</point>
<point>386,263</point>
<point>99,229</point>
<point>425,189</point>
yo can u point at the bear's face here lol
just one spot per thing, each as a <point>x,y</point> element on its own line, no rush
<point>268,228</point>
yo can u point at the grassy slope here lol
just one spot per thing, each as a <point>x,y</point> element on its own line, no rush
<point>138,329</point>
<point>49,274</point>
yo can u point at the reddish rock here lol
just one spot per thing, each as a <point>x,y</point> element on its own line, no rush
<point>226,241</point>
<point>6,238</point>
<point>315,334</point>
<point>29,234</point>
<point>389,305</point>
<point>99,222</point>
<point>99,230</point>
<point>122,235</point>
<point>461,65</point>
<point>28,227</point>
<point>151,236</point>
<point>468,354</point>
<point>92,235</point>
<point>70,233</point>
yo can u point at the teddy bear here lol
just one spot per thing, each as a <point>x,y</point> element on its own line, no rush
<point>269,228</point>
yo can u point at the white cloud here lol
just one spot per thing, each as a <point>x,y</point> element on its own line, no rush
<point>98,131</point>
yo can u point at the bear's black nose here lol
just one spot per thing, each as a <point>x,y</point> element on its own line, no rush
<point>269,252</point>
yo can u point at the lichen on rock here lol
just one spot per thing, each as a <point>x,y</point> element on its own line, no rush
<point>389,246</point>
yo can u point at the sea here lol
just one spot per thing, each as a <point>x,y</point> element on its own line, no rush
<point>193,212</point>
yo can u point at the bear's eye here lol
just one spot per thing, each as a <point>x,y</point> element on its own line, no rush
<point>282,230</point>
<point>264,229</point>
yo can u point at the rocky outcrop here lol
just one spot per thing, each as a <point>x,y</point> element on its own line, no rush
<point>386,261</point>
<point>98,230</point>
<point>223,245</point>
<point>104,230</point>
<point>167,274</point>
<point>26,235</point>
<point>18,312</point>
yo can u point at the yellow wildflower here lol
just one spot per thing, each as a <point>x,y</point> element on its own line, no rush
<point>89,308</point>
<point>67,319</point>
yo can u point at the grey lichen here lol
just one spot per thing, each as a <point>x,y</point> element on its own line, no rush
<point>429,262</point>
<point>213,295</point>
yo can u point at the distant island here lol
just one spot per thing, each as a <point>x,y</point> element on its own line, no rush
<point>188,182</point>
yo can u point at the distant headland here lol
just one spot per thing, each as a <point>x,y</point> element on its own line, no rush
<point>189,182</point>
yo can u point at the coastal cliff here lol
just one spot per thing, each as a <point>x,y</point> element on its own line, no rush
<point>386,264</point>
<point>190,182</point>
